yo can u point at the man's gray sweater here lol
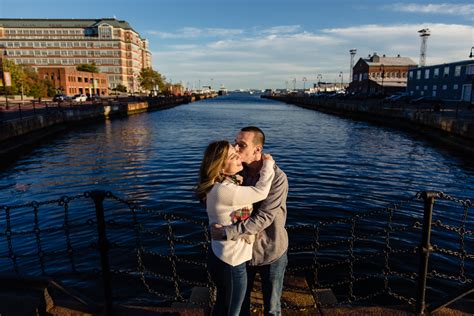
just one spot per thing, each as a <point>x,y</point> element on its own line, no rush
<point>267,222</point>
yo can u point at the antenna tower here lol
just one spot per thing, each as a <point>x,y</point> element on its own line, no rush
<point>424,33</point>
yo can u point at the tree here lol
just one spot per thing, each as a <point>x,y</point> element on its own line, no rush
<point>149,79</point>
<point>88,68</point>
<point>27,81</point>
<point>120,88</point>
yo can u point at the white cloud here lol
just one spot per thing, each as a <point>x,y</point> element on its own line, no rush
<point>257,59</point>
<point>430,8</point>
<point>193,32</point>
<point>282,29</point>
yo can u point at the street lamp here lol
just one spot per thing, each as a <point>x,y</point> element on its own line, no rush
<point>294,84</point>
<point>471,55</point>
<point>341,75</point>
<point>304,83</point>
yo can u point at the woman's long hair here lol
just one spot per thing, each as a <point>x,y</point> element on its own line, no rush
<point>211,167</point>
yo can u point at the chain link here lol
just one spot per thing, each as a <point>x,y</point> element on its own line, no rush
<point>318,268</point>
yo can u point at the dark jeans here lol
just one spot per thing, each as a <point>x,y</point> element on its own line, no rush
<point>231,283</point>
<point>272,286</point>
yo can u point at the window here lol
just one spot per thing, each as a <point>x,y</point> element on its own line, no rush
<point>422,93</point>
<point>417,88</point>
<point>79,79</point>
<point>427,74</point>
<point>455,87</point>
<point>436,73</point>
<point>445,87</point>
<point>411,74</point>
<point>425,88</point>
<point>446,71</point>
<point>418,74</point>
<point>457,71</point>
<point>435,87</point>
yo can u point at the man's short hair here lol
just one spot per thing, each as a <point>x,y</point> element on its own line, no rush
<point>259,138</point>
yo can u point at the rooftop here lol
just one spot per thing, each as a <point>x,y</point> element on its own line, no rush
<point>72,23</point>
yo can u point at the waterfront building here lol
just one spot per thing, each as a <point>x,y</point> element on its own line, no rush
<point>70,81</point>
<point>113,45</point>
<point>380,75</point>
<point>449,82</point>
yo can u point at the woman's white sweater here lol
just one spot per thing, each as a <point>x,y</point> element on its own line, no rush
<point>227,197</point>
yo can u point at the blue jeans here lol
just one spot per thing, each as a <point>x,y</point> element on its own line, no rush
<point>231,283</point>
<point>272,276</point>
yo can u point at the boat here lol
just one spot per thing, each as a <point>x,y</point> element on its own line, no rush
<point>222,90</point>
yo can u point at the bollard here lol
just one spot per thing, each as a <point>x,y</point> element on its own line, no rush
<point>19,110</point>
<point>34,109</point>
<point>98,198</point>
<point>424,251</point>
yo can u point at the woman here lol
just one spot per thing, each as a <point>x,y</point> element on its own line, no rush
<point>226,204</point>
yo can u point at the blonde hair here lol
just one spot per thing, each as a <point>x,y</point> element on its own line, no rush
<point>213,162</point>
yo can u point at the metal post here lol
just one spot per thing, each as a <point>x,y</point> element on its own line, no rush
<point>98,197</point>
<point>424,251</point>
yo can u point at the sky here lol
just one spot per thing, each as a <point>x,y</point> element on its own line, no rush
<point>259,44</point>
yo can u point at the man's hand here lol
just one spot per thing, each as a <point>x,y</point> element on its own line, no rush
<point>217,232</point>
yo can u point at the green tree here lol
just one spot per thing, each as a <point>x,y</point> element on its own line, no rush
<point>149,79</point>
<point>120,88</point>
<point>88,68</point>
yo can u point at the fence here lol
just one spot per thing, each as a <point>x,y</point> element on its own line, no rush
<point>378,254</point>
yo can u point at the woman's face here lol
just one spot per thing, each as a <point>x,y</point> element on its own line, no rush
<point>233,164</point>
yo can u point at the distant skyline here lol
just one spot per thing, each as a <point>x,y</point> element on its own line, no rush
<point>264,44</point>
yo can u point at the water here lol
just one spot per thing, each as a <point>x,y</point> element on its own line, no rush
<point>335,166</point>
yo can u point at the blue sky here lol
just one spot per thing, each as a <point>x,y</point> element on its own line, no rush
<point>264,44</point>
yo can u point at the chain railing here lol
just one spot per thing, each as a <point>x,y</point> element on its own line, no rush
<point>380,254</point>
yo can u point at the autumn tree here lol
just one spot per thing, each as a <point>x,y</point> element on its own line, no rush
<point>25,80</point>
<point>150,79</point>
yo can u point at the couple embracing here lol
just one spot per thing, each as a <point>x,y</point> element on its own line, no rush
<point>245,196</point>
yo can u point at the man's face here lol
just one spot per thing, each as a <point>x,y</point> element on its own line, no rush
<point>246,148</point>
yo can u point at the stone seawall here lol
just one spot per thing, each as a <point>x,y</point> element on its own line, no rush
<point>17,133</point>
<point>443,127</point>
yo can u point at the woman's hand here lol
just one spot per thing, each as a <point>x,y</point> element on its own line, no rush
<point>267,157</point>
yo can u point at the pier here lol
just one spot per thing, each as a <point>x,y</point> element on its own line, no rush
<point>452,126</point>
<point>23,124</point>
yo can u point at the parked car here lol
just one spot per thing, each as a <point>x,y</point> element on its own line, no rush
<point>434,102</point>
<point>79,98</point>
<point>396,96</point>
<point>61,98</point>
<point>93,97</point>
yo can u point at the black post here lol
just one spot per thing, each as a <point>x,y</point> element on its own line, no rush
<point>424,251</point>
<point>98,197</point>
<point>34,108</point>
<point>19,110</point>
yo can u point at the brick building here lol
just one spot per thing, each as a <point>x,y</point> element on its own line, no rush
<point>113,45</point>
<point>380,75</point>
<point>450,82</point>
<point>70,81</point>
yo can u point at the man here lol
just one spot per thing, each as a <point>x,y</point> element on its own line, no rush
<point>269,257</point>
